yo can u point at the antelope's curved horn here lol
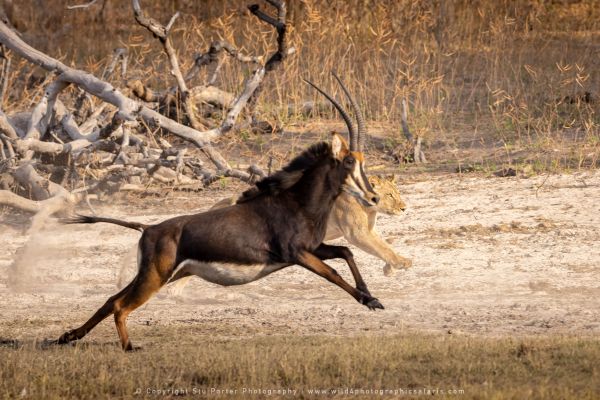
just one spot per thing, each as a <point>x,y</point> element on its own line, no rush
<point>343,113</point>
<point>362,130</point>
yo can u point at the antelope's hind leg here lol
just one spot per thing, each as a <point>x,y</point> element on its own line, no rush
<point>156,265</point>
<point>103,312</point>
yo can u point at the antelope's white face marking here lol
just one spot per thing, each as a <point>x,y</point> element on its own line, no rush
<point>225,274</point>
<point>358,185</point>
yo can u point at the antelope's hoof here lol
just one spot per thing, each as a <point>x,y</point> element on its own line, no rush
<point>65,338</point>
<point>374,304</point>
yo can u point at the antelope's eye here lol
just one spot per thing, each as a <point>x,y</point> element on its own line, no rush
<point>349,161</point>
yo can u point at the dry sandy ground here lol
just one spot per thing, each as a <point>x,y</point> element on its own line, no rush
<point>492,256</point>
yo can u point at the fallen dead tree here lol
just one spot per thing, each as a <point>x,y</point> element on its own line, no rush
<point>66,152</point>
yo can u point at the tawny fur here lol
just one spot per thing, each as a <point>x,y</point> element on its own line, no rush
<point>356,223</point>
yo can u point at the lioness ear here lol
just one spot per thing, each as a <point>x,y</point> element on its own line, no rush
<point>393,178</point>
<point>339,146</point>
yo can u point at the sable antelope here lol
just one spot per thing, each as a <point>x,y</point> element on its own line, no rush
<point>352,217</point>
<point>279,222</point>
<point>349,219</point>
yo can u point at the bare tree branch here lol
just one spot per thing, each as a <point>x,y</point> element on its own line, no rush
<point>86,5</point>
<point>90,136</point>
<point>281,27</point>
<point>250,85</point>
<point>171,22</point>
<point>74,132</point>
<point>255,9</point>
<point>6,128</point>
<point>404,121</point>
<point>119,54</point>
<point>8,198</point>
<point>413,150</point>
<point>162,33</point>
<point>91,123</point>
<point>128,108</point>
<point>276,58</point>
<point>42,113</point>
<point>212,55</point>
<point>24,146</point>
<point>40,188</point>
<point>4,74</point>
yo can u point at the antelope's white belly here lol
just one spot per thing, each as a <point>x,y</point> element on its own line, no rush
<point>226,274</point>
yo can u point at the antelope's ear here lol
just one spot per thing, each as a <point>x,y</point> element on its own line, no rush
<point>339,146</point>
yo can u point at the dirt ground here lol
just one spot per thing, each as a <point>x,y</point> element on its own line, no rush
<point>492,257</point>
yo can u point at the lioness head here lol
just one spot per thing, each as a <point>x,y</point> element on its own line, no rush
<point>391,202</point>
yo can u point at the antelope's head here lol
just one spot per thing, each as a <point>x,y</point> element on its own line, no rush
<point>357,185</point>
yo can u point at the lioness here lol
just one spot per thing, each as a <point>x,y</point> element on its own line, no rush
<point>356,223</point>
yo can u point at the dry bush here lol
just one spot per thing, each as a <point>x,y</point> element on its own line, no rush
<point>513,75</point>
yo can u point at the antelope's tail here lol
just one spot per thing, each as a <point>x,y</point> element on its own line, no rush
<point>86,219</point>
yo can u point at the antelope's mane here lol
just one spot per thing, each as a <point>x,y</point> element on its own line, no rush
<point>289,175</point>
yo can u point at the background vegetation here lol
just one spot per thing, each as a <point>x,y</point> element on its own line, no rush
<point>520,77</point>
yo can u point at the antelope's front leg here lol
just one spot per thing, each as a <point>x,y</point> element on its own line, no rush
<point>327,252</point>
<point>316,265</point>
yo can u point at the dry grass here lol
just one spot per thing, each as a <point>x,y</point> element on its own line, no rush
<point>179,358</point>
<point>509,76</point>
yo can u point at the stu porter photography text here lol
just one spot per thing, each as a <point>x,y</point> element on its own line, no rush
<point>194,391</point>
